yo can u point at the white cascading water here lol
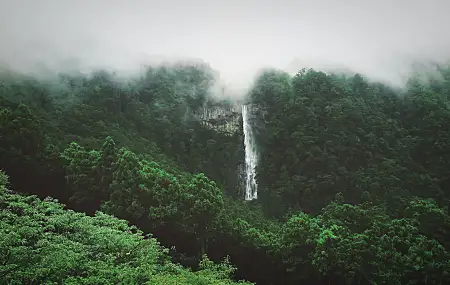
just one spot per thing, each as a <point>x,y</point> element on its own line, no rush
<point>251,158</point>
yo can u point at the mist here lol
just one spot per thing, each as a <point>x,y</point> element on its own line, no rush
<point>380,38</point>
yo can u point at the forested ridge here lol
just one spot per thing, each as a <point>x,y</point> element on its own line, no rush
<point>353,180</point>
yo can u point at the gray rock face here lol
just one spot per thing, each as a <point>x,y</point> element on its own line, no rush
<point>227,118</point>
<point>223,118</point>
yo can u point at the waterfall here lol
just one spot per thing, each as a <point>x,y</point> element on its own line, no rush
<point>251,158</point>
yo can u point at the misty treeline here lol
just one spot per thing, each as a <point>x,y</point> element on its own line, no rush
<point>353,180</point>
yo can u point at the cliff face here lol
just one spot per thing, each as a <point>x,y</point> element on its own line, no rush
<point>223,118</point>
<point>225,121</point>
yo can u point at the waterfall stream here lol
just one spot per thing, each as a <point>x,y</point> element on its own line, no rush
<point>251,158</point>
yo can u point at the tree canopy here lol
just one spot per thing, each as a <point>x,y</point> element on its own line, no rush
<point>353,180</point>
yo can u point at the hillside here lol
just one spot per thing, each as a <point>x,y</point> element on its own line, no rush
<point>353,177</point>
<point>41,243</point>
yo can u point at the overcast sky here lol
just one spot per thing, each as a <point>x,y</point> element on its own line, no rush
<point>375,37</point>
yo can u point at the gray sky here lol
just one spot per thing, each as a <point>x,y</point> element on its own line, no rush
<point>378,38</point>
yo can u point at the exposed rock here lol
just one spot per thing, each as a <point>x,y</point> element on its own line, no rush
<point>224,118</point>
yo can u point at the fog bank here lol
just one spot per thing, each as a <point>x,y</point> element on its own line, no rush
<point>378,38</point>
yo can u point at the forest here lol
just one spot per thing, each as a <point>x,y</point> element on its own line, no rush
<point>112,180</point>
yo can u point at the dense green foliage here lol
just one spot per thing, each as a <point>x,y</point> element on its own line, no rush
<point>140,191</point>
<point>353,178</point>
<point>327,134</point>
<point>40,242</point>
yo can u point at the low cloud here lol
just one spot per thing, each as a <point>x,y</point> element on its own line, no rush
<point>380,39</point>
